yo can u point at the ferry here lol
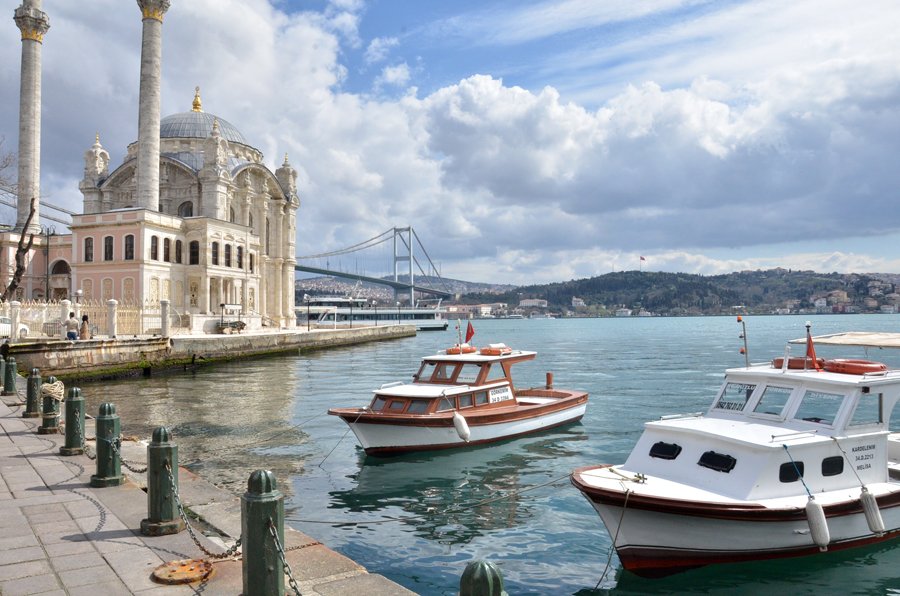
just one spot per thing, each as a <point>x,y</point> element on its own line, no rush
<point>793,457</point>
<point>460,396</point>
<point>345,311</point>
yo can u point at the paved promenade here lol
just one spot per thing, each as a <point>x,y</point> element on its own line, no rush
<point>60,536</point>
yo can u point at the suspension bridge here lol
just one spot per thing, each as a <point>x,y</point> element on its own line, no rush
<point>365,261</point>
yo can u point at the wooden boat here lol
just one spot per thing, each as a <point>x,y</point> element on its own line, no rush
<point>460,397</point>
<point>793,457</point>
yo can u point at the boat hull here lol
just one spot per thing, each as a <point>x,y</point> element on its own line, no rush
<point>386,437</point>
<point>655,540</point>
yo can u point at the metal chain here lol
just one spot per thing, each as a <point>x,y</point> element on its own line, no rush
<point>227,554</point>
<point>287,569</point>
<point>82,443</point>
<point>122,459</point>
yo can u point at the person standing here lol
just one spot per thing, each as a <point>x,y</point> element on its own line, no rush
<point>85,331</point>
<point>72,327</point>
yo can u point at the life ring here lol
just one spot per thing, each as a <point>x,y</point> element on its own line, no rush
<point>799,363</point>
<point>849,366</point>
<point>463,349</point>
<point>496,350</point>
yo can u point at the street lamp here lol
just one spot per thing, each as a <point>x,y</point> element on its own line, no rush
<point>398,312</point>
<point>351,313</point>
<point>375,306</point>
<point>306,297</point>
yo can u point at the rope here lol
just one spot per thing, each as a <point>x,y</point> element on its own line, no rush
<point>612,546</point>
<point>799,473</point>
<point>55,390</point>
<point>846,457</point>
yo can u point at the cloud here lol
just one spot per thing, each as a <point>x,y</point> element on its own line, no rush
<point>379,48</point>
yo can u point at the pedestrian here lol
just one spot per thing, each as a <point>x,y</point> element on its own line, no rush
<point>85,331</point>
<point>72,327</point>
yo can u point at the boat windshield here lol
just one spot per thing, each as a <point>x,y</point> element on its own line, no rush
<point>819,407</point>
<point>773,400</point>
<point>734,396</point>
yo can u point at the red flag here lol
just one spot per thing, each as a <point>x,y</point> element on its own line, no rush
<point>811,350</point>
<point>470,332</point>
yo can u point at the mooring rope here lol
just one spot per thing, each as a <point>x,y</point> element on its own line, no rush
<point>56,390</point>
<point>612,547</point>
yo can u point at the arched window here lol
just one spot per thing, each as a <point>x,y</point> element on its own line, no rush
<point>107,248</point>
<point>88,250</point>
<point>231,214</point>
<point>228,255</point>
<point>215,253</point>
<point>251,262</point>
<point>194,252</point>
<point>167,250</point>
<point>240,257</point>
<point>178,251</point>
<point>154,248</point>
<point>250,221</point>
<point>186,209</point>
<point>129,247</point>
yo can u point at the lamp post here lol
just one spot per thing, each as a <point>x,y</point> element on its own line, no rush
<point>398,312</point>
<point>375,306</point>
<point>306,298</point>
<point>47,231</point>
<point>351,313</point>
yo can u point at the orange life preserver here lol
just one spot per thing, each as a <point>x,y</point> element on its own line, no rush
<point>496,351</point>
<point>848,366</point>
<point>799,363</point>
<point>463,349</point>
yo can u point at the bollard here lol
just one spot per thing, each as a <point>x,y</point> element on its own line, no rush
<point>162,484</point>
<point>33,395</point>
<point>2,371</point>
<point>49,413</point>
<point>9,377</point>
<point>481,578</point>
<point>74,423</point>
<point>109,465</point>
<point>263,572</point>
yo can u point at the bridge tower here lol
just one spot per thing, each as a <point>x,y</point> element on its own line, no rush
<point>405,236</point>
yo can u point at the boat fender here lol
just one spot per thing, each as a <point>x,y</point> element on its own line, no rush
<point>818,527</point>
<point>462,427</point>
<point>873,514</point>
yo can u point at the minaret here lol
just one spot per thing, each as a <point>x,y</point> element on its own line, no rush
<point>33,23</point>
<point>148,114</point>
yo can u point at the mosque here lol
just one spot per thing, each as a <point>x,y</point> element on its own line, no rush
<point>192,215</point>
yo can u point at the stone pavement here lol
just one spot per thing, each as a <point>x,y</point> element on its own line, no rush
<point>58,535</point>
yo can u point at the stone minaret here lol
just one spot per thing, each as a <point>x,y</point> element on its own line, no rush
<point>148,115</point>
<point>33,23</point>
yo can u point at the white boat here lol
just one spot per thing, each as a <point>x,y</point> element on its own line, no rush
<point>793,457</point>
<point>343,311</point>
<point>460,396</point>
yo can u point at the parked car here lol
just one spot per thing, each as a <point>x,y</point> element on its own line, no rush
<point>6,326</point>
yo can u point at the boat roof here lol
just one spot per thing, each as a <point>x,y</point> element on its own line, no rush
<point>867,339</point>
<point>773,375</point>
<point>431,390</point>
<point>478,357</point>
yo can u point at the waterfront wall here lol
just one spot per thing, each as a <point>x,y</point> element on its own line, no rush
<point>108,358</point>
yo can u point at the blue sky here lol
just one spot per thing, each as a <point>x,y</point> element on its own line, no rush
<point>526,141</point>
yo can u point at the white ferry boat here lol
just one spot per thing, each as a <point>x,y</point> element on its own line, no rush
<point>345,311</point>
<point>794,457</point>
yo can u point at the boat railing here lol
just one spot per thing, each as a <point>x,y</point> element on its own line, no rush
<point>391,384</point>
<point>794,435</point>
<point>677,416</point>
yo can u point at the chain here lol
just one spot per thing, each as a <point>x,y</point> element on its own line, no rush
<point>187,524</point>
<point>287,569</point>
<point>115,448</point>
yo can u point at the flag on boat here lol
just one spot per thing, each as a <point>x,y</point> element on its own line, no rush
<point>470,332</point>
<point>811,350</point>
<point>643,259</point>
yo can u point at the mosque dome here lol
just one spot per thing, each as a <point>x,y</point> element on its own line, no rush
<point>197,124</point>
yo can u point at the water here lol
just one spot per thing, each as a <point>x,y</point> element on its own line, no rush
<point>418,519</point>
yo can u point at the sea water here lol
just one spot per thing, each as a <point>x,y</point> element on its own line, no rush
<point>418,519</point>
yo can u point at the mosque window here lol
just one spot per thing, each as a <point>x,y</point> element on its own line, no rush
<point>215,253</point>
<point>250,221</point>
<point>231,214</point>
<point>251,262</point>
<point>228,255</point>
<point>154,248</point>
<point>107,248</point>
<point>88,250</point>
<point>186,209</point>
<point>178,251</point>
<point>194,253</point>
<point>240,257</point>
<point>167,250</point>
<point>129,247</point>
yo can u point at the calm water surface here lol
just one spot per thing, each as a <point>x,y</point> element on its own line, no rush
<point>419,519</point>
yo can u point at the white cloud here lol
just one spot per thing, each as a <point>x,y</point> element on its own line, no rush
<point>379,48</point>
<point>395,76</point>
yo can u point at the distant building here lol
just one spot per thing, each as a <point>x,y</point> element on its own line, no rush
<point>623,312</point>
<point>532,303</point>
<point>577,302</point>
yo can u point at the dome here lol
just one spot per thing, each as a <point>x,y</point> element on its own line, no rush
<point>197,125</point>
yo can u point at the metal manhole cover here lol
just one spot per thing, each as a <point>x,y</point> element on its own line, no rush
<point>182,572</point>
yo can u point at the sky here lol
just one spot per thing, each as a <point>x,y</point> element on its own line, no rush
<point>525,141</point>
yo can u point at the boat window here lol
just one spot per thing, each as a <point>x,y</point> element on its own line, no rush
<point>734,396</point>
<point>495,373</point>
<point>417,406</point>
<point>819,407</point>
<point>378,404</point>
<point>397,405</point>
<point>447,403</point>
<point>468,373</point>
<point>773,400</point>
<point>481,398</point>
<point>425,371</point>
<point>719,462</point>
<point>443,372</point>
<point>465,401</point>
<point>833,466</point>
<point>790,471</point>
<point>665,450</point>
<point>868,410</point>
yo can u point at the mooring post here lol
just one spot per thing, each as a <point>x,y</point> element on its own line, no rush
<point>481,578</point>
<point>109,465</point>
<point>33,395</point>
<point>49,412</point>
<point>9,377</point>
<point>2,369</point>
<point>74,423</point>
<point>262,507</point>
<point>162,485</point>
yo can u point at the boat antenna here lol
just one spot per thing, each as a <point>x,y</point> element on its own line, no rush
<point>458,333</point>
<point>743,336</point>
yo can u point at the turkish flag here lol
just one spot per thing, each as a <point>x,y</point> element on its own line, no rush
<point>470,332</point>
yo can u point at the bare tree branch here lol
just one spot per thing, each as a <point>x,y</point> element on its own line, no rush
<point>22,252</point>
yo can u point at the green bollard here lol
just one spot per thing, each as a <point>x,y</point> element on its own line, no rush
<point>74,423</point>
<point>9,377</point>
<point>33,395</point>
<point>263,572</point>
<point>109,465</point>
<point>162,484</point>
<point>481,578</point>
<point>2,370</point>
<point>49,415</point>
